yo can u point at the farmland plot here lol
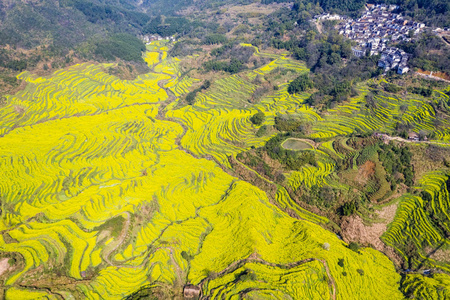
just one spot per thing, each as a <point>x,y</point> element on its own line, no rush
<point>102,196</point>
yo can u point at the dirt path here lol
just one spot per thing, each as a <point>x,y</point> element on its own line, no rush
<point>318,26</point>
<point>444,40</point>
<point>399,139</point>
<point>4,265</point>
<point>330,279</point>
<point>119,240</point>
<point>431,76</point>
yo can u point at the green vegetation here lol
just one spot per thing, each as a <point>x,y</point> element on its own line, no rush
<point>300,84</point>
<point>190,97</point>
<point>215,39</point>
<point>349,208</point>
<point>288,123</point>
<point>258,118</point>
<point>354,247</point>
<point>293,160</point>
<point>429,53</point>
<point>426,92</point>
<point>122,46</point>
<point>294,144</point>
<point>397,163</point>
<point>232,67</point>
<point>432,12</point>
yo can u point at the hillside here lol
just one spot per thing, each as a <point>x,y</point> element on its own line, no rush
<point>251,158</point>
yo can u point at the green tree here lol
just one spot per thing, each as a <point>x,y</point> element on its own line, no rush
<point>300,84</point>
<point>353,246</point>
<point>258,118</point>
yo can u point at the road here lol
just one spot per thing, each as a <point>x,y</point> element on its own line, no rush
<point>431,76</point>
<point>399,139</point>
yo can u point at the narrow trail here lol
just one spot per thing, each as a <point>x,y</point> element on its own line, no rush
<point>330,278</point>
<point>163,104</point>
<point>119,240</point>
<point>399,139</point>
<point>430,76</point>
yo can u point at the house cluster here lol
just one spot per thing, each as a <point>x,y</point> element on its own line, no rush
<point>156,37</point>
<point>377,26</point>
<point>324,17</point>
<point>394,58</point>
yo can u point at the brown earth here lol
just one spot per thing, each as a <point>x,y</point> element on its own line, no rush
<point>440,254</point>
<point>366,171</point>
<point>440,75</point>
<point>4,266</point>
<point>354,230</point>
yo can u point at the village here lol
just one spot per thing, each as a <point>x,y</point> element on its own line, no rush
<point>374,30</point>
<point>147,39</point>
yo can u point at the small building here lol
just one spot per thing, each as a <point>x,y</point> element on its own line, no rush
<point>402,69</point>
<point>412,136</point>
<point>358,52</point>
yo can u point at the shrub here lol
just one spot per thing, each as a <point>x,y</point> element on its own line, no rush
<point>326,246</point>
<point>258,118</point>
<point>215,39</point>
<point>360,271</point>
<point>348,209</point>
<point>300,84</point>
<point>190,97</point>
<point>286,123</point>
<point>353,246</point>
<point>341,262</point>
<point>392,88</point>
<point>261,131</point>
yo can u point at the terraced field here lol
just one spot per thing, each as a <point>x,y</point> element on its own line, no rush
<point>421,287</point>
<point>102,196</point>
<point>423,222</point>
<point>352,116</point>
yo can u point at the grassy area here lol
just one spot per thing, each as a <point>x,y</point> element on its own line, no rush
<point>294,144</point>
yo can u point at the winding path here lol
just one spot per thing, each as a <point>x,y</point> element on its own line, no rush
<point>399,139</point>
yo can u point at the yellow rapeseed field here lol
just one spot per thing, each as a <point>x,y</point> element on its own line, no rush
<point>104,190</point>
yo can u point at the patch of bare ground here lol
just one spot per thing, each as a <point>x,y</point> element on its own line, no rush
<point>427,158</point>
<point>366,171</point>
<point>442,255</point>
<point>353,229</point>
<point>53,280</point>
<point>4,265</point>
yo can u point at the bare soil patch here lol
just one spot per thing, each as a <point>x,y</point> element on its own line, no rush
<point>365,172</point>
<point>354,230</point>
<point>441,75</point>
<point>4,265</point>
<point>440,255</point>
